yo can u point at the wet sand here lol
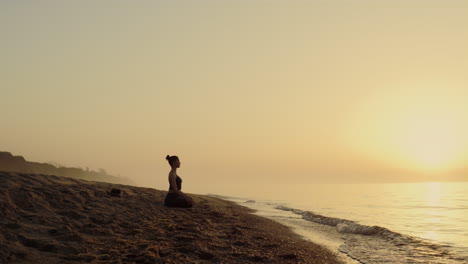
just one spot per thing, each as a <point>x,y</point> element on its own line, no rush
<point>50,219</point>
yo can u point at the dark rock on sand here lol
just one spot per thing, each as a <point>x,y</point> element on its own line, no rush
<point>115,192</point>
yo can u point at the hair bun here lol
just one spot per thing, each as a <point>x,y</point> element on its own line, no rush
<point>167,157</point>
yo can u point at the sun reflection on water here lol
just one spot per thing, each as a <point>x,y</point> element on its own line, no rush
<point>431,211</point>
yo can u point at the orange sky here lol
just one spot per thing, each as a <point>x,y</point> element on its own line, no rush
<point>243,91</point>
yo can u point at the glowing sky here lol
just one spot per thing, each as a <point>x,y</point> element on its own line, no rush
<point>242,91</point>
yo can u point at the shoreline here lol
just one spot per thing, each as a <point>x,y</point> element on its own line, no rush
<point>323,235</point>
<point>353,243</point>
<point>50,219</point>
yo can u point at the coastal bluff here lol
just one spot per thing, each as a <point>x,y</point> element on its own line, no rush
<point>51,219</point>
<point>11,163</point>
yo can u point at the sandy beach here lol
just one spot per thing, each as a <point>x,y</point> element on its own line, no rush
<point>50,219</point>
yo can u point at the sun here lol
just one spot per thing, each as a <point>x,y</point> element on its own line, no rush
<point>428,142</point>
<point>418,131</point>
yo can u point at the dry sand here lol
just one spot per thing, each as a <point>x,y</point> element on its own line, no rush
<point>50,219</point>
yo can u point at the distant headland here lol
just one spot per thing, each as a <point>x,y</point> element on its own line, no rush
<point>11,163</point>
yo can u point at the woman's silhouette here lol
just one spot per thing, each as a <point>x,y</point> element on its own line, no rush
<point>175,197</point>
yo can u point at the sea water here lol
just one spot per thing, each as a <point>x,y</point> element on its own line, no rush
<point>374,223</point>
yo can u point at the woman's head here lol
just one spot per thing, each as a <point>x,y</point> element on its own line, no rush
<point>173,161</point>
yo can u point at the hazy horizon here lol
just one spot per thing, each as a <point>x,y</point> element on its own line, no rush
<point>244,92</point>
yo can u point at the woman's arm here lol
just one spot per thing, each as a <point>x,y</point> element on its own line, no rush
<point>172,183</point>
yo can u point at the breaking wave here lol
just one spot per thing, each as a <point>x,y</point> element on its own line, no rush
<point>376,244</point>
<point>342,225</point>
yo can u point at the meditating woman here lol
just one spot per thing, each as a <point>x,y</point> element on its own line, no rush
<point>175,197</point>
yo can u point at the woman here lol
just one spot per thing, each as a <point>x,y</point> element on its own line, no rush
<point>175,197</point>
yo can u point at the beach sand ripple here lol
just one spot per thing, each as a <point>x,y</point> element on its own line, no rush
<point>50,219</point>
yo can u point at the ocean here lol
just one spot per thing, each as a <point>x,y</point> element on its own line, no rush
<point>373,223</point>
